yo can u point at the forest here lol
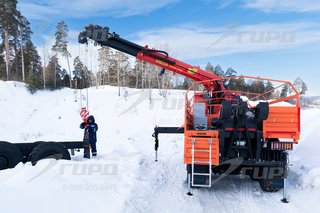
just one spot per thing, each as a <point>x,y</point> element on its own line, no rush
<point>21,61</point>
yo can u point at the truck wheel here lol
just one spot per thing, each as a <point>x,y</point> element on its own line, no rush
<point>269,185</point>
<point>49,150</point>
<point>262,111</point>
<point>10,155</point>
<point>226,110</point>
<point>272,184</point>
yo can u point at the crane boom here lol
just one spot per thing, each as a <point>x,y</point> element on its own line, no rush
<point>102,36</point>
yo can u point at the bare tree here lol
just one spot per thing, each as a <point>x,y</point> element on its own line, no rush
<point>105,62</point>
<point>122,65</point>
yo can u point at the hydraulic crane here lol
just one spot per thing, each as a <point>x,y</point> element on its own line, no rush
<point>103,37</point>
<point>225,132</point>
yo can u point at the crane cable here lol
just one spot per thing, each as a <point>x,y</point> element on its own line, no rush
<point>86,64</point>
<point>80,94</point>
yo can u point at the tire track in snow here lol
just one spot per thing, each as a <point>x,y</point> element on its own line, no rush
<point>208,198</point>
<point>275,201</point>
<point>246,195</point>
<point>227,195</point>
<point>160,187</point>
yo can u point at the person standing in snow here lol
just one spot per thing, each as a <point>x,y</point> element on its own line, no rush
<point>90,134</point>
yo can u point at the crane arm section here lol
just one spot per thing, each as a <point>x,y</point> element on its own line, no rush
<point>102,36</point>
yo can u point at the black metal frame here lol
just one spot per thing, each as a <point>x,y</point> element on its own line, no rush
<point>26,148</point>
<point>164,130</point>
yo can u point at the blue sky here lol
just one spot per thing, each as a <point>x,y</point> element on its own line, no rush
<point>267,38</point>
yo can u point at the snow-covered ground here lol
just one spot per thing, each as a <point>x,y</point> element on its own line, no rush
<point>124,177</point>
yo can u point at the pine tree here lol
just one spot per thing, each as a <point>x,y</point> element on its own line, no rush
<point>30,54</point>
<point>19,39</point>
<point>300,85</point>
<point>82,76</point>
<point>2,66</point>
<point>21,57</point>
<point>32,62</point>
<point>53,74</point>
<point>34,70</point>
<point>219,71</point>
<point>77,73</point>
<point>65,78</point>
<point>257,87</point>
<point>22,42</point>
<point>9,31</point>
<point>186,83</point>
<point>304,88</point>
<point>230,72</point>
<point>209,67</point>
<point>32,83</point>
<point>284,91</point>
<point>269,88</point>
<point>61,43</point>
<point>238,84</point>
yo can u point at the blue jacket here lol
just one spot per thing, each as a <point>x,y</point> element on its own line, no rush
<point>90,130</point>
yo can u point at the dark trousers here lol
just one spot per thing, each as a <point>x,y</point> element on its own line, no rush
<point>93,148</point>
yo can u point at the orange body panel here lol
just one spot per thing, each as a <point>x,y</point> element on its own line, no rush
<point>283,122</point>
<point>210,117</point>
<point>201,143</point>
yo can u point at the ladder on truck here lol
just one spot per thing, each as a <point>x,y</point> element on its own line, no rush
<point>201,162</point>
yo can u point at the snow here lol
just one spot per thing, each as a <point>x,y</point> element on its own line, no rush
<point>125,177</point>
<point>255,103</point>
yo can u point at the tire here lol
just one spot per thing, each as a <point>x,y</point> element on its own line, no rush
<point>226,110</point>
<point>45,150</point>
<point>267,185</point>
<point>272,184</point>
<point>10,155</point>
<point>262,111</point>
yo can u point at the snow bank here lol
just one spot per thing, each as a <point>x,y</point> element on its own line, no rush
<point>124,177</point>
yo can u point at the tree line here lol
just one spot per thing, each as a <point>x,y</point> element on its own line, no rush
<point>256,86</point>
<point>19,58</point>
<point>20,61</point>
